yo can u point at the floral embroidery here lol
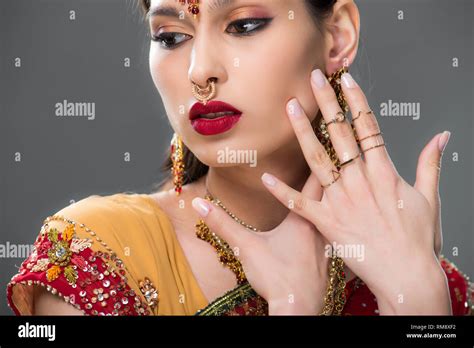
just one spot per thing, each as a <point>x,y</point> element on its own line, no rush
<point>78,245</point>
<point>149,291</point>
<point>62,250</point>
<point>93,281</point>
<point>53,273</point>
<point>41,265</point>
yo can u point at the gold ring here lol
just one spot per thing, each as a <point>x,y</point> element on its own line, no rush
<point>373,147</point>
<point>340,118</point>
<point>360,112</point>
<point>350,160</point>
<point>369,136</point>
<point>336,175</point>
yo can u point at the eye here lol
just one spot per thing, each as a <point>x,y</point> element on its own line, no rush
<point>248,26</point>
<point>169,40</point>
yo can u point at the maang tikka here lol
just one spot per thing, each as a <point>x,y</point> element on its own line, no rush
<point>193,6</point>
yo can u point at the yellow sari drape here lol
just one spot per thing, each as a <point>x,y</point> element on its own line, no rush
<point>135,228</point>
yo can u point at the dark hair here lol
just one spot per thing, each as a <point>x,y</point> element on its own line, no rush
<point>319,10</point>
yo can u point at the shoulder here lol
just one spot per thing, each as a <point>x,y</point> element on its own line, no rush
<point>79,256</point>
<point>108,208</point>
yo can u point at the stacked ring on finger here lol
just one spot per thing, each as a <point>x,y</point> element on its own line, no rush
<point>336,175</point>
<point>350,160</point>
<point>360,112</point>
<point>353,125</point>
<point>340,117</point>
<point>377,143</point>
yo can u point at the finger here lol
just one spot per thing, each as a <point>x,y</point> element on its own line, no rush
<point>313,151</point>
<point>429,167</point>
<point>313,211</point>
<point>364,121</point>
<point>238,237</point>
<point>312,188</point>
<point>340,132</point>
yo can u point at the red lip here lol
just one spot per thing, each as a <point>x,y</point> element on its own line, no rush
<point>211,107</point>
<point>217,125</point>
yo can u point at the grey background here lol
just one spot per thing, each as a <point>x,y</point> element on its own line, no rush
<point>70,158</point>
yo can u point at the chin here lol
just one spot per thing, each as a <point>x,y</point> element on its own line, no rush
<point>230,152</point>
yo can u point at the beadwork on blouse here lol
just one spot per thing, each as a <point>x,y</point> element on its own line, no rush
<point>92,281</point>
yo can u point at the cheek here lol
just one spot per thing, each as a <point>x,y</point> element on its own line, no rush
<point>168,75</point>
<point>285,73</point>
<point>162,70</point>
<point>277,75</point>
<point>296,72</point>
<point>155,64</point>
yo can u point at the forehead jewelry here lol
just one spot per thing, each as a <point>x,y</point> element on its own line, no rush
<point>204,94</point>
<point>193,6</point>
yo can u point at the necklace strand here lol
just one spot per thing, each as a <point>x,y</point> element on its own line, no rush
<point>218,202</point>
<point>335,298</point>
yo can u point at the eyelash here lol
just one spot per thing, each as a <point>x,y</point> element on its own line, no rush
<point>259,23</point>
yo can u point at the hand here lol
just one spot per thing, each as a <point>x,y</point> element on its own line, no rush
<point>286,265</point>
<point>370,206</point>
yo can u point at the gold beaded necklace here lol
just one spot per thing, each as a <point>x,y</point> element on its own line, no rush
<point>334,299</point>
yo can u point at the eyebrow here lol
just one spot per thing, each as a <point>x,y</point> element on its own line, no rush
<point>217,4</point>
<point>166,11</point>
<point>171,11</point>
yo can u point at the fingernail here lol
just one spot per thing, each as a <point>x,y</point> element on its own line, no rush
<point>443,140</point>
<point>201,206</point>
<point>268,179</point>
<point>294,108</point>
<point>348,81</point>
<point>318,78</point>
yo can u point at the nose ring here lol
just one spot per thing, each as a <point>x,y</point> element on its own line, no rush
<point>204,94</point>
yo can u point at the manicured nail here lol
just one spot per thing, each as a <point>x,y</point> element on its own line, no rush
<point>294,108</point>
<point>318,78</point>
<point>443,140</point>
<point>201,206</point>
<point>348,81</point>
<point>269,179</point>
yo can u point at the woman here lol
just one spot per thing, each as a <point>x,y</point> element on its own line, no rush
<point>338,231</point>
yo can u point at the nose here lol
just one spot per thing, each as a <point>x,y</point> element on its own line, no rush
<point>206,63</point>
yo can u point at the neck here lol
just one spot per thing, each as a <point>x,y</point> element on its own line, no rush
<point>242,192</point>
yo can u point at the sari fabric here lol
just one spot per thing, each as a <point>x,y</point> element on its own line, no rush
<point>119,255</point>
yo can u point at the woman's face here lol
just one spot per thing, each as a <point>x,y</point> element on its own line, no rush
<point>259,65</point>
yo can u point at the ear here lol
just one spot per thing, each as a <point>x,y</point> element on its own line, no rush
<point>341,36</point>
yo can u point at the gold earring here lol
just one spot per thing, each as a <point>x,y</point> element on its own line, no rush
<point>321,130</point>
<point>335,81</point>
<point>204,94</point>
<point>177,170</point>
